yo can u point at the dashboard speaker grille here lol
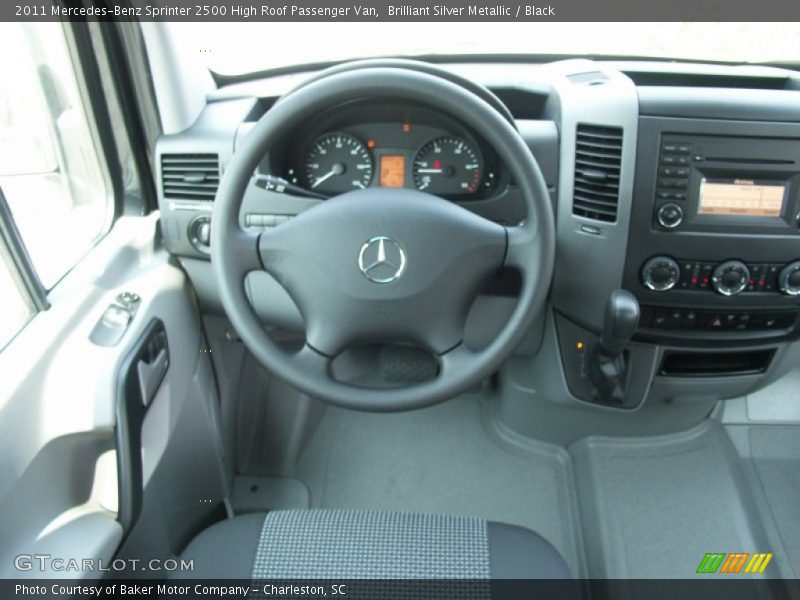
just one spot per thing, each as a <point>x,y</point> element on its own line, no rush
<point>190,176</point>
<point>598,157</point>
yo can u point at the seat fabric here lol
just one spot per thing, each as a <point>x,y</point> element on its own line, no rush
<point>358,544</point>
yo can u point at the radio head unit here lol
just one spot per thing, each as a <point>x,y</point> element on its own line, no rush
<point>722,184</point>
<point>714,245</point>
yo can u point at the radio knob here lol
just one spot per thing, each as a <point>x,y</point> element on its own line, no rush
<point>730,278</point>
<point>670,216</point>
<point>660,273</point>
<point>789,279</point>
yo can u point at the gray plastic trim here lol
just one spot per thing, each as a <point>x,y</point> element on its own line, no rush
<point>720,103</point>
<point>590,266</point>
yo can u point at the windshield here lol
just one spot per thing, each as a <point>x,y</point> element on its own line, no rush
<point>239,48</point>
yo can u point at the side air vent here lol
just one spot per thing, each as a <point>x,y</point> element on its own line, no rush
<point>190,176</point>
<point>598,156</point>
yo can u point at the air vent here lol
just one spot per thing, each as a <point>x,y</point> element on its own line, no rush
<point>190,176</point>
<point>590,77</point>
<point>598,156</point>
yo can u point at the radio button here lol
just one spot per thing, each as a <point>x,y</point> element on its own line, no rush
<point>672,183</point>
<point>730,278</point>
<point>670,216</point>
<point>789,279</point>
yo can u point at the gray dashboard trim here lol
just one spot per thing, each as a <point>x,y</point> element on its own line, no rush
<point>590,266</point>
<point>719,103</point>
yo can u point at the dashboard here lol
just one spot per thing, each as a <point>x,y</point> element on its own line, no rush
<point>384,144</point>
<point>679,183</point>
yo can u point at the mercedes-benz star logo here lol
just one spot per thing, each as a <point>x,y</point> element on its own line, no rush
<point>382,260</point>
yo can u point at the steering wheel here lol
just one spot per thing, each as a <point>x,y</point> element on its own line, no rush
<point>383,265</point>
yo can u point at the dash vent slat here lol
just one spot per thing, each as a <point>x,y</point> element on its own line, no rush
<point>190,176</point>
<point>598,160</point>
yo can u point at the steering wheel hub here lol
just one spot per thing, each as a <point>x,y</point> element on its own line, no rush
<point>382,260</point>
<point>431,260</point>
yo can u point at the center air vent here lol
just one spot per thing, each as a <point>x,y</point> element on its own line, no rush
<point>598,155</point>
<point>190,176</point>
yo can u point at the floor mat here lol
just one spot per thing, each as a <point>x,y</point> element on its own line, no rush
<point>653,508</point>
<point>441,460</point>
<point>775,454</point>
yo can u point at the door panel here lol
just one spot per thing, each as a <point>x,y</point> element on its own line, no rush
<point>58,469</point>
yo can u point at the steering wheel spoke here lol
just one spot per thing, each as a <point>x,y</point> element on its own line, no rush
<point>244,246</point>
<point>456,360</point>
<point>520,253</point>
<point>312,361</point>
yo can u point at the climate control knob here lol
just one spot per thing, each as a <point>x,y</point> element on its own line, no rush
<point>661,273</point>
<point>789,279</point>
<point>730,278</point>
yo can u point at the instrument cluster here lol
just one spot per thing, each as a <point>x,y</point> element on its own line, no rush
<point>364,145</point>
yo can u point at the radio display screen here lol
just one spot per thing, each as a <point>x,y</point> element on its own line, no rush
<point>741,197</point>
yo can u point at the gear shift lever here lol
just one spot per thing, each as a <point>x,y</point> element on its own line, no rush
<point>621,319</point>
<point>606,361</point>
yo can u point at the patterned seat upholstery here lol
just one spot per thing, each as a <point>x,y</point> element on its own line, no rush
<point>360,545</point>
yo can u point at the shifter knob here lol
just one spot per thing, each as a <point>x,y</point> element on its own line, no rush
<point>621,319</point>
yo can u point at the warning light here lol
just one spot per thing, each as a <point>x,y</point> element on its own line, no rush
<point>406,127</point>
<point>371,143</point>
<point>579,345</point>
<point>437,164</point>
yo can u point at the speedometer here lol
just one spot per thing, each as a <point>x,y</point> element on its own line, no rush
<point>337,163</point>
<point>447,165</point>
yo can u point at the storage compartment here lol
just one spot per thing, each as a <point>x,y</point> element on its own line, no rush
<point>715,364</point>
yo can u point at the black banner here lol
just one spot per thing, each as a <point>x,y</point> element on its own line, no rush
<point>402,10</point>
<point>381,589</point>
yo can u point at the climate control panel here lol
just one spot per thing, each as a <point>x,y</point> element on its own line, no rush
<point>726,278</point>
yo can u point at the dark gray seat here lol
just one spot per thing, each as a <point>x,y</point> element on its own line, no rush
<point>355,544</point>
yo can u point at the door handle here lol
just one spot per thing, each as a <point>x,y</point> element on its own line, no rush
<point>151,374</point>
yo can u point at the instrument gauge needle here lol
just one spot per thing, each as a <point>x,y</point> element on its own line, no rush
<point>336,169</point>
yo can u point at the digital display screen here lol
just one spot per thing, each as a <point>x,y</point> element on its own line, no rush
<point>741,197</point>
<point>393,170</point>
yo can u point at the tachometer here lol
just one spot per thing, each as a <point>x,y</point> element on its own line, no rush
<point>447,165</point>
<point>336,163</point>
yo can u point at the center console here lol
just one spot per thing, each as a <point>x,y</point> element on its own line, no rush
<point>714,242</point>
